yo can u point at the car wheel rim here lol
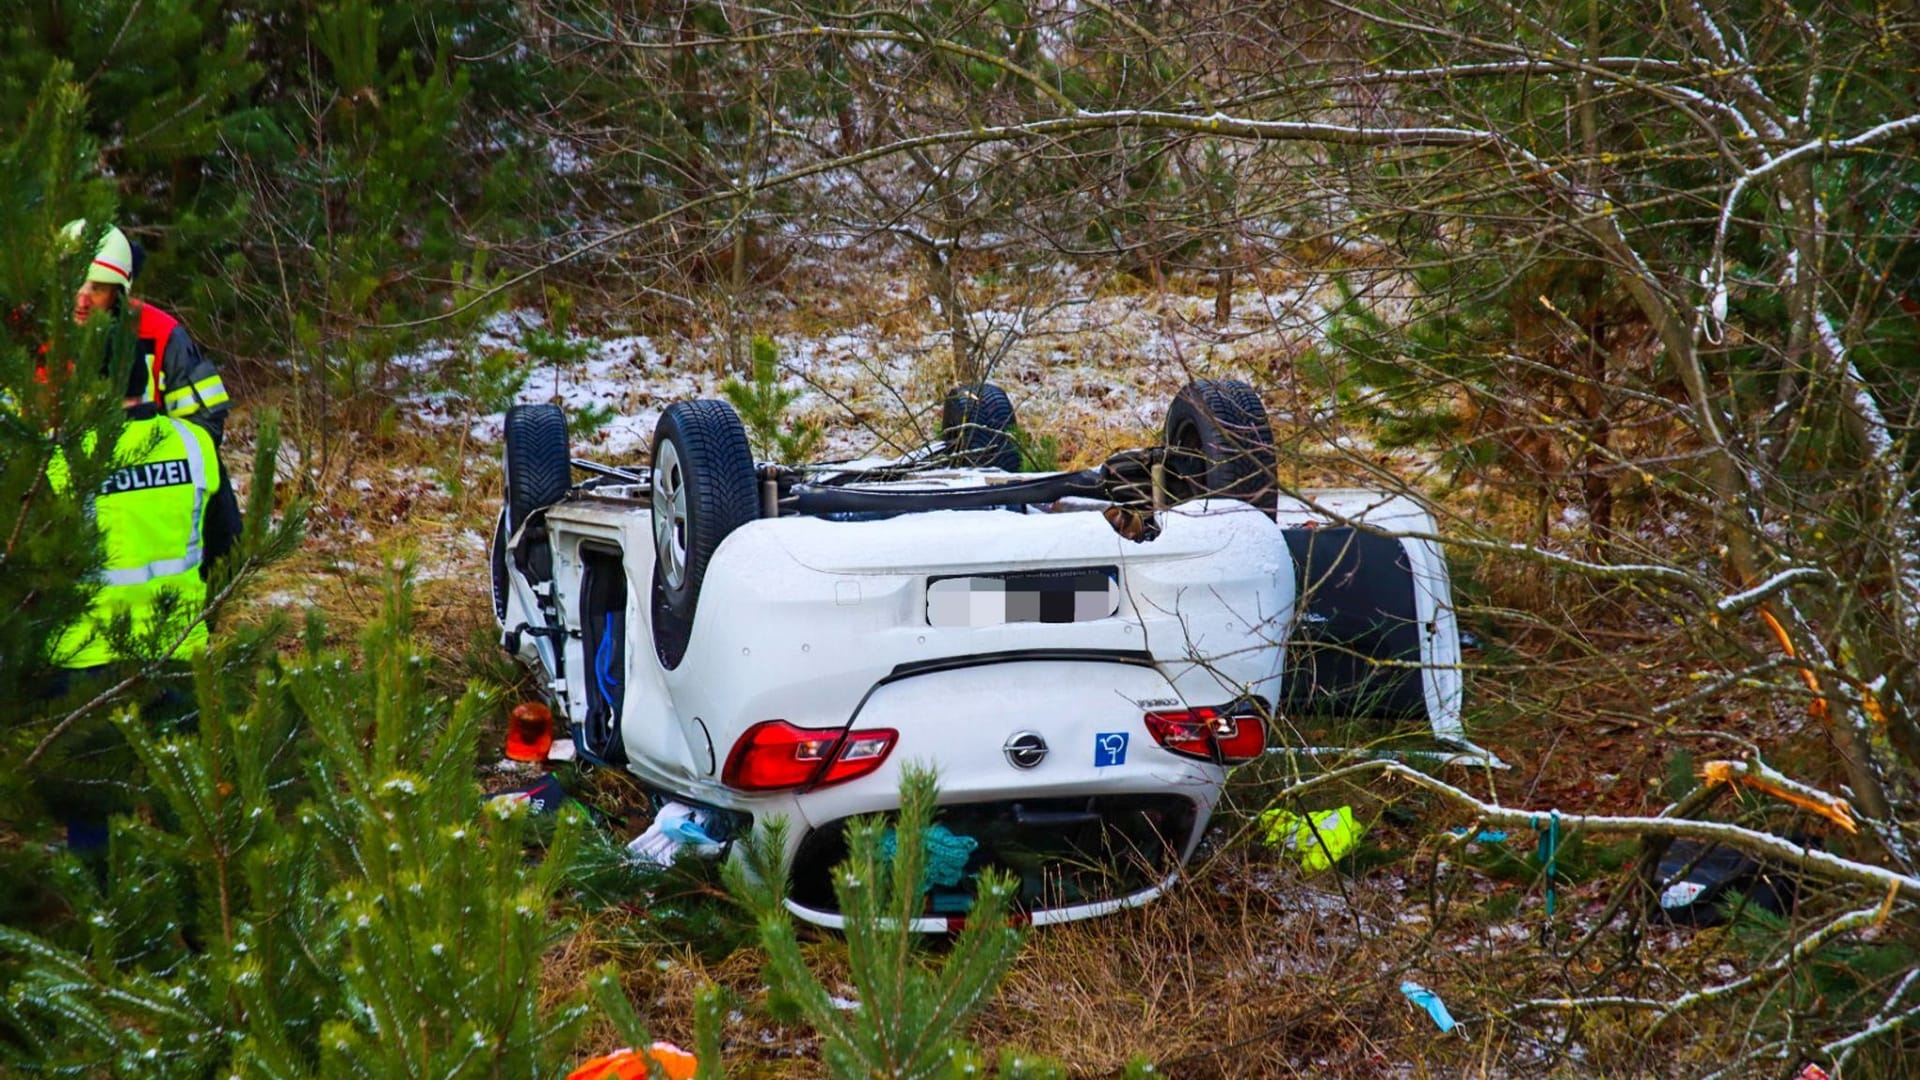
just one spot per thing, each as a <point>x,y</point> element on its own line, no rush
<point>670,515</point>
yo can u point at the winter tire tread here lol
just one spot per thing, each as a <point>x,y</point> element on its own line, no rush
<point>716,464</point>
<point>977,424</point>
<point>1220,444</point>
<point>539,467</point>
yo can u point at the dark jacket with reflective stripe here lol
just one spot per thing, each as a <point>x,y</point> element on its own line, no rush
<point>152,514</point>
<point>180,380</point>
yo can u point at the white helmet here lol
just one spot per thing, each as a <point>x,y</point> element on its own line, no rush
<point>113,261</point>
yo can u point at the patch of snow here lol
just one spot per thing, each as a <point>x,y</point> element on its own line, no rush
<point>1099,364</point>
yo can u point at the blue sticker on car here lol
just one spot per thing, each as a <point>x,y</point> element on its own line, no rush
<point>1109,748</point>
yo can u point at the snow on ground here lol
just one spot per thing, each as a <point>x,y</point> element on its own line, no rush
<point>866,363</point>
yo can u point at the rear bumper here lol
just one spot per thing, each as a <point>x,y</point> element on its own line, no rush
<point>1071,857</point>
<point>950,924</point>
<point>1100,818</point>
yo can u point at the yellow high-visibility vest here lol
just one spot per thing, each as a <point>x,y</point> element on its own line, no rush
<point>151,512</point>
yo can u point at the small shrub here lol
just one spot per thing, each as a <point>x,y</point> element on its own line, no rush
<point>1038,453</point>
<point>763,404</point>
<point>554,343</point>
<point>320,891</point>
<point>488,382</point>
<point>911,1011</point>
<point>586,420</point>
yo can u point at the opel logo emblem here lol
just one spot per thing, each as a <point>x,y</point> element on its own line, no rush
<point>1026,749</point>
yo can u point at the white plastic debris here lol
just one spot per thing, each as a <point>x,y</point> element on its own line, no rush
<point>561,750</point>
<point>1680,894</point>
<point>676,828</point>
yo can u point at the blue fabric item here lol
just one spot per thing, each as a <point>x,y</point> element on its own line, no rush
<point>603,669</point>
<point>1484,836</point>
<point>687,831</point>
<point>1430,1001</point>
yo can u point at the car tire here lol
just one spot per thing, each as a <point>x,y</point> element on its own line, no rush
<point>538,461</point>
<point>977,424</point>
<point>703,489</point>
<point>1220,445</point>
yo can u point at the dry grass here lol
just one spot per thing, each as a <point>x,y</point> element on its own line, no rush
<point>418,496</point>
<point>1242,972</point>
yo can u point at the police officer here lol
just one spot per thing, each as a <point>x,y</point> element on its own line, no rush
<point>159,524</point>
<point>178,380</point>
<point>169,369</point>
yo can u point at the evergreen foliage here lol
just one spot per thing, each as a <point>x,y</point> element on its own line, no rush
<point>556,345</point>
<point>312,891</point>
<point>1038,453</point>
<point>911,1012</point>
<point>329,157</point>
<point>321,892</point>
<point>169,82</point>
<point>48,408</point>
<point>61,388</point>
<point>763,405</point>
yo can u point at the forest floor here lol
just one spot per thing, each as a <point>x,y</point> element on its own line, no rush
<point>1250,967</point>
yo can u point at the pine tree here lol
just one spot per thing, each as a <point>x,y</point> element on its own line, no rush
<point>49,408</point>
<point>322,892</point>
<point>168,84</point>
<point>911,1016</point>
<point>763,405</point>
<point>60,410</point>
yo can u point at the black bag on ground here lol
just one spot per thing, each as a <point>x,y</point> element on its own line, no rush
<point>1694,878</point>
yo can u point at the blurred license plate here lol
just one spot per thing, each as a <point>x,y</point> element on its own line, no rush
<point>1082,594</point>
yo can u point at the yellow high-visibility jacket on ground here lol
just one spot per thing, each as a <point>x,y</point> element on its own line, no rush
<point>152,515</point>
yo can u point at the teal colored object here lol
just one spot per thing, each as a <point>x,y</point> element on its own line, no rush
<point>1431,1002</point>
<point>1484,836</point>
<point>687,831</point>
<point>1548,851</point>
<point>947,854</point>
<point>949,903</point>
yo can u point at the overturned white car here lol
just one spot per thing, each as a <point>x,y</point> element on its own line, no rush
<point>1081,656</point>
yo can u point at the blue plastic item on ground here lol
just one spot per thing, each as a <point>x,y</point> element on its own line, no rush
<point>1484,836</point>
<point>1430,1001</point>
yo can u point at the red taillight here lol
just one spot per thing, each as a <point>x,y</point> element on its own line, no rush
<point>774,754</point>
<point>1229,736</point>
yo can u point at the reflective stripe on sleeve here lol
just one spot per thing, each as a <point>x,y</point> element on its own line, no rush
<point>205,394</point>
